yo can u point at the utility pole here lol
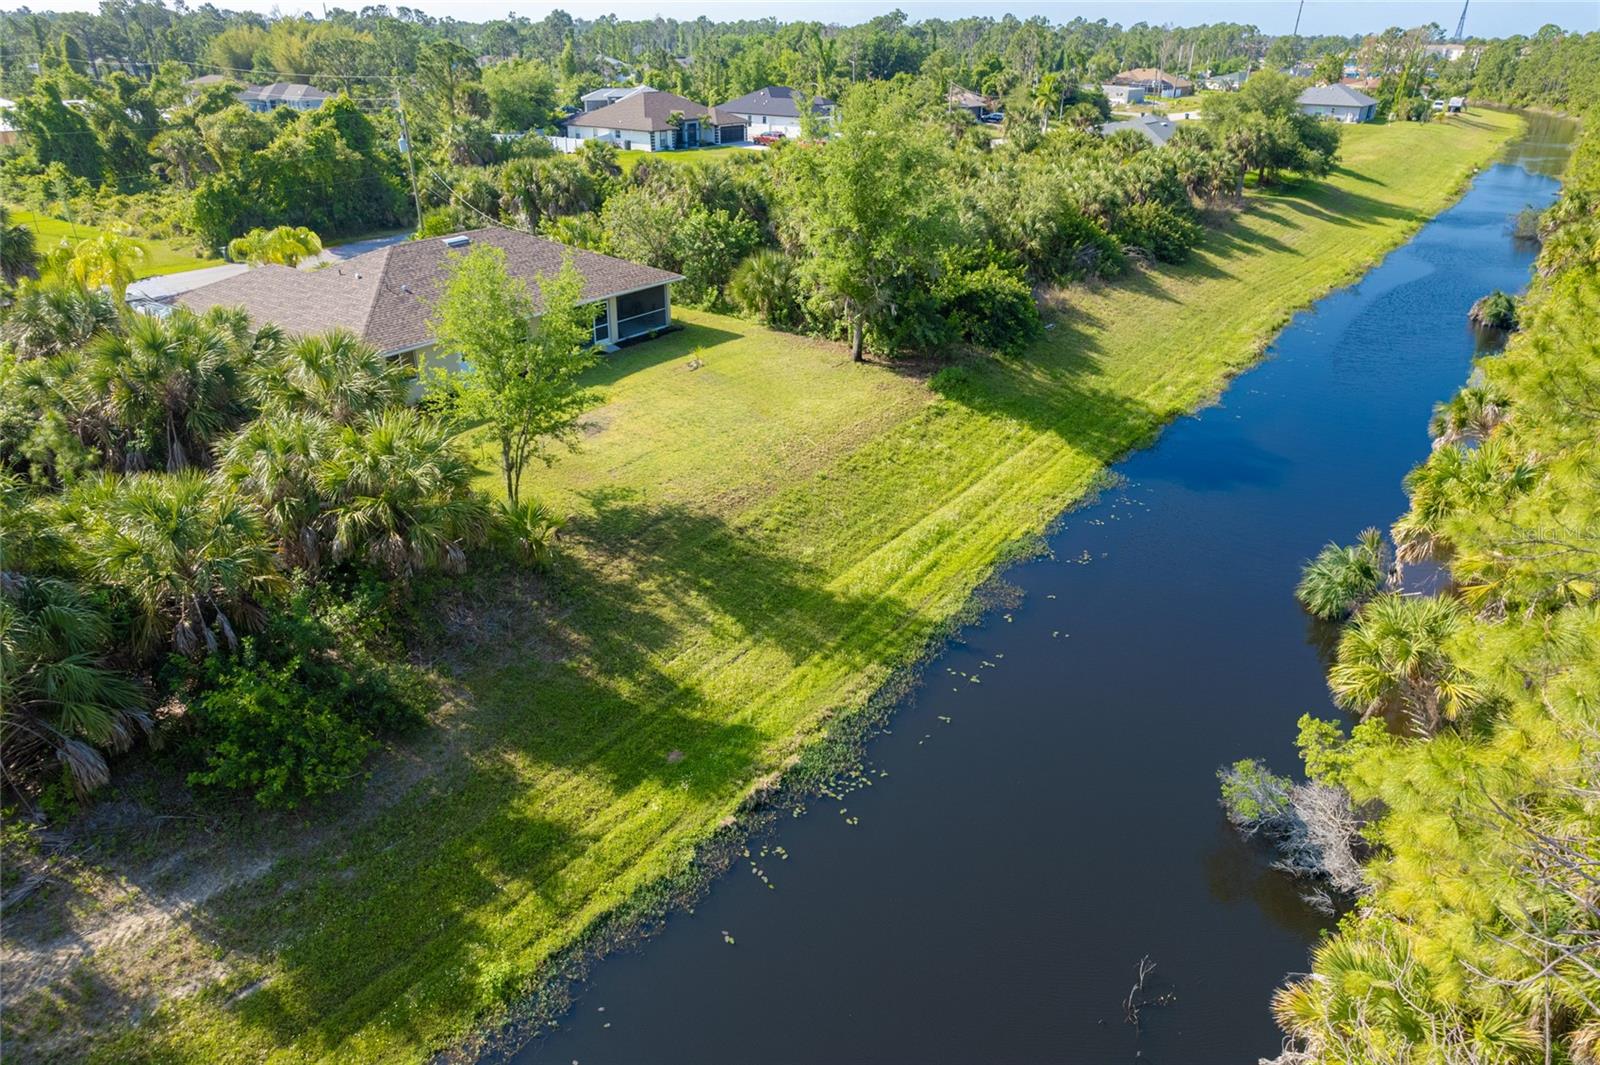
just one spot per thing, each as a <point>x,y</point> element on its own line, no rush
<point>411,166</point>
<point>1461,23</point>
<point>1300,11</point>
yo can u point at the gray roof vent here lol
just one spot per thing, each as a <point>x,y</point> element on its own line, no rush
<point>460,240</point>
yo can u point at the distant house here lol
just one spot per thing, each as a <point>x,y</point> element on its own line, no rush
<point>8,132</point>
<point>1339,102</point>
<point>1157,129</point>
<point>386,297</point>
<point>284,94</point>
<point>1156,81</point>
<point>1226,82</point>
<point>775,109</point>
<point>975,102</point>
<point>1362,83</point>
<point>1123,94</point>
<point>645,121</point>
<point>1444,51</point>
<point>594,101</point>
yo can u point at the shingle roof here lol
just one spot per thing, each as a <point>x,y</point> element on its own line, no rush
<point>775,100</point>
<point>386,296</point>
<point>1334,96</point>
<point>285,91</point>
<point>960,97</point>
<point>1158,128</point>
<point>649,110</point>
<point>615,92</point>
<point>1146,75</point>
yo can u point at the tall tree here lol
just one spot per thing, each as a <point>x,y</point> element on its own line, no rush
<point>522,358</point>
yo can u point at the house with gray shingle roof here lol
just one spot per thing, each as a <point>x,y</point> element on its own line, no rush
<point>386,296</point>
<point>658,122</point>
<point>1157,129</point>
<point>284,94</point>
<point>775,109</point>
<point>1339,102</point>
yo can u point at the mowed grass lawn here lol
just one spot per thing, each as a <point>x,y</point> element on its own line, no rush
<point>754,547</point>
<point>629,158</point>
<point>160,256</point>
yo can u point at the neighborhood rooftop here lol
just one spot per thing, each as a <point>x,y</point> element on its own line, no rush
<point>1337,95</point>
<point>386,296</point>
<point>650,111</point>
<point>1158,128</point>
<point>284,92</point>
<point>777,101</point>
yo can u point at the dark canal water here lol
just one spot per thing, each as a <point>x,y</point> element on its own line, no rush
<point>1049,814</point>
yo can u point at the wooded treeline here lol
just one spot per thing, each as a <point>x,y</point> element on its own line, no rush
<point>1461,815</point>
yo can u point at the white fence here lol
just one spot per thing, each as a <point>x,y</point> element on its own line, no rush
<point>564,144</point>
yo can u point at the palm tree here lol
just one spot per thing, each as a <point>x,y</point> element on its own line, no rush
<point>274,460</point>
<point>57,698</point>
<point>1468,417</point>
<point>1340,579</point>
<point>333,374</point>
<point>46,319</point>
<point>1395,657</point>
<point>165,390</point>
<point>1453,480</point>
<point>402,495</point>
<point>19,249</point>
<point>763,285</point>
<point>109,260</point>
<point>189,552</point>
<point>282,245</point>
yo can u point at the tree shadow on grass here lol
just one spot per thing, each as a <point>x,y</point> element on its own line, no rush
<point>1342,207</point>
<point>1050,394</point>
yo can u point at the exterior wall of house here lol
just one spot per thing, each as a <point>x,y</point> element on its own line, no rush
<point>1339,112</point>
<point>1123,94</point>
<point>639,139</point>
<point>759,124</point>
<point>424,361</point>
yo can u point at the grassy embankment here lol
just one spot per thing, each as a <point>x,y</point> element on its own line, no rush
<point>755,546</point>
<point>160,256</point>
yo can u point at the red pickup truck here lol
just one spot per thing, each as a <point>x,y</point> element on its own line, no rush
<point>769,139</point>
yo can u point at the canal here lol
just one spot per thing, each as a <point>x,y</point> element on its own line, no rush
<point>1043,808</point>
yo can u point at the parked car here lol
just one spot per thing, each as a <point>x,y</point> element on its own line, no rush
<point>769,138</point>
<point>992,116</point>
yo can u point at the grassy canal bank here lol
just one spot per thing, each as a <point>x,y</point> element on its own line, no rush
<point>754,546</point>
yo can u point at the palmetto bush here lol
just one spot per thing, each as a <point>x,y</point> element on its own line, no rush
<point>400,496</point>
<point>527,530</point>
<point>58,699</point>
<point>1340,579</point>
<point>1395,657</point>
<point>189,552</point>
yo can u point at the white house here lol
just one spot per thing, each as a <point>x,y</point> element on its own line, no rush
<point>1338,102</point>
<point>284,94</point>
<point>775,109</point>
<point>657,122</point>
<point>1123,94</point>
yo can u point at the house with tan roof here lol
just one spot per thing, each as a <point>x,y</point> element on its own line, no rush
<point>1156,81</point>
<point>776,109</point>
<point>658,122</point>
<point>386,296</point>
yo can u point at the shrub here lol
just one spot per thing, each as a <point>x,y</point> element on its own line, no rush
<point>527,530</point>
<point>1165,232</point>
<point>293,715</point>
<point>1340,579</point>
<point>1497,310</point>
<point>989,307</point>
<point>763,287</point>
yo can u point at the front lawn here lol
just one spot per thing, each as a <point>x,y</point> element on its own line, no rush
<point>754,547</point>
<point>629,158</point>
